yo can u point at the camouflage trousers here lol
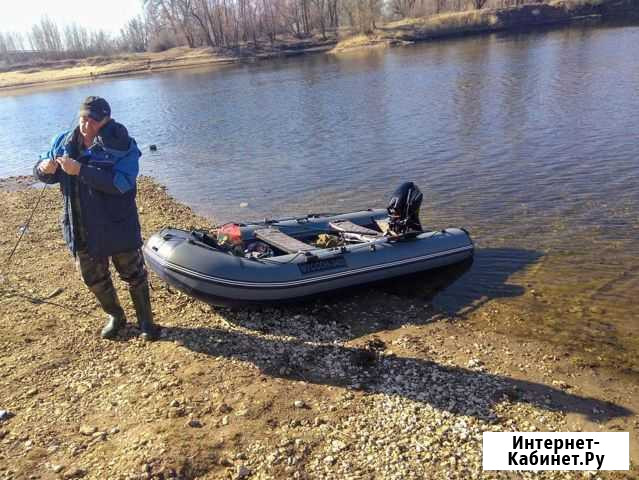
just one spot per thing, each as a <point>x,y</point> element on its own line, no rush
<point>97,276</point>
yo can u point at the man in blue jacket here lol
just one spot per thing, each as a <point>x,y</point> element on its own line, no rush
<point>96,165</point>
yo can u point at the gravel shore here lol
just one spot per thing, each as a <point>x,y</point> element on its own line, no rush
<point>375,385</point>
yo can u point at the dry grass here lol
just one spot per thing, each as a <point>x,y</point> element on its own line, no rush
<point>359,41</point>
<point>433,26</point>
<point>448,22</point>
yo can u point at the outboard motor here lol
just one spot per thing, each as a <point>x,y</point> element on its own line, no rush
<point>403,209</point>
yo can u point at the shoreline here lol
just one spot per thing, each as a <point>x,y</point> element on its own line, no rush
<point>179,58</point>
<point>523,18</point>
<point>389,387</point>
<point>527,17</point>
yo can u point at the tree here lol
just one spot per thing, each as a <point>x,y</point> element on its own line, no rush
<point>45,37</point>
<point>134,35</point>
<point>479,4</point>
<point>76,39</point>
<point>403,8</point>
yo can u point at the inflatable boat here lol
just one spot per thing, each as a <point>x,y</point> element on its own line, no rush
<point>275,261</point>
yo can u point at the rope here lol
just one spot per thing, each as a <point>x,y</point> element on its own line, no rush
<point>36,300</point>
<point>24,228</point>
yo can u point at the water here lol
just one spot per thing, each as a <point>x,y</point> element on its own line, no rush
<point>528,140</point>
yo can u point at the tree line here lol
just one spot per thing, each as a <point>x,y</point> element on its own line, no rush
<point>220,24</point>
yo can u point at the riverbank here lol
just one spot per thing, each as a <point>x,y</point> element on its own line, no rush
<point>392,34</point>
<point>530,16</point>
<point>375,385</point>
<point>95,68</point>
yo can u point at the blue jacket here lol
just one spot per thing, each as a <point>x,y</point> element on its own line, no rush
<point>106,186</point>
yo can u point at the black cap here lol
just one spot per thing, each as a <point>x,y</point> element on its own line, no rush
<point>95,107</point>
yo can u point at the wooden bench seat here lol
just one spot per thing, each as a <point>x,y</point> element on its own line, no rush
<point>280,240</point>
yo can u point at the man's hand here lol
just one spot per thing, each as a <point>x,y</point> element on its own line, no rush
<point>48,167</point>
<point>69,165</point>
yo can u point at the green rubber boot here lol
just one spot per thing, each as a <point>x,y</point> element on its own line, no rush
<point>111,305</point>
<point>142,303</point>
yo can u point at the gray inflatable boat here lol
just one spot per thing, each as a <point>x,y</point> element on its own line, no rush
<point>291,259</point>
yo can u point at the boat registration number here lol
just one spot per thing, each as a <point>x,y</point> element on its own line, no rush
<point>321,265</point>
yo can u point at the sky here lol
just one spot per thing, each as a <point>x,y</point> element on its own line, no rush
<point>108,15</point>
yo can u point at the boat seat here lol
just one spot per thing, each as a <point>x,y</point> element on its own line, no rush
<point>346,226</point>
<point>278,239</point>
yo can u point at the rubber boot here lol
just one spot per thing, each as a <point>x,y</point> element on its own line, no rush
<point>142,303</point>
<point>111,305</point>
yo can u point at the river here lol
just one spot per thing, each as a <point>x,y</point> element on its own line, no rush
<point>527,140</point>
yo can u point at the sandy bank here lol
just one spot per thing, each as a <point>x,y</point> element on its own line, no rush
<point>377,385</point>
<point>68,71</point>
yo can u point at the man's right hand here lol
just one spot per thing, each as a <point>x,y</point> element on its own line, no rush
<point>48,167</point>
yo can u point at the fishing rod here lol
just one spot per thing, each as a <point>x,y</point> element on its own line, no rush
<point>25,226</point>
<point>23,229</point>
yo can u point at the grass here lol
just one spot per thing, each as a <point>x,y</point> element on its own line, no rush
<point>446,22</point>
<point>436,25</point>
<point>358,41</point>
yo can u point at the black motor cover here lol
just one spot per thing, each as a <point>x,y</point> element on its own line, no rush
<point>403,208</point>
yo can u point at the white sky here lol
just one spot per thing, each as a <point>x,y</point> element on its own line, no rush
<point>108,15</point>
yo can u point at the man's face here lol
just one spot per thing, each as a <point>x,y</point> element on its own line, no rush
<point>88,126</point>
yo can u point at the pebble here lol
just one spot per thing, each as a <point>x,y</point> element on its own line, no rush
<point>88,430</point>
<point>474,363</point>
<point>241,472</point>
<point>74,473</point>
<point>194,423</point>
<point>225,420</point>
<point>57,468</point>
<point>299,404</point>
<point>5,415</point>
<point>337,446</point>
<point>561,384</point>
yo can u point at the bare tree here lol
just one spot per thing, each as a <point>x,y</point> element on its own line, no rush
<point>333,13</point>
<point>363,14</point>
<point>134,35</point>
<point>45,37</point>
<point>76,39</point>
<point>100,43</point>
<point>321,8</point>
<point>176,13</point>
<point>402,8</point>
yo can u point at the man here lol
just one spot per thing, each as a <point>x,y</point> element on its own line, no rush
<point>96,165</point>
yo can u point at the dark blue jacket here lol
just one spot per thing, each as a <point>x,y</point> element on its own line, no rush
<point>106,186</point>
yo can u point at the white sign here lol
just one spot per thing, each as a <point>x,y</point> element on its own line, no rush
<point>556,451</point>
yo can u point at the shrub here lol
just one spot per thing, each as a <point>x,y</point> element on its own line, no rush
<point>161,42</point>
